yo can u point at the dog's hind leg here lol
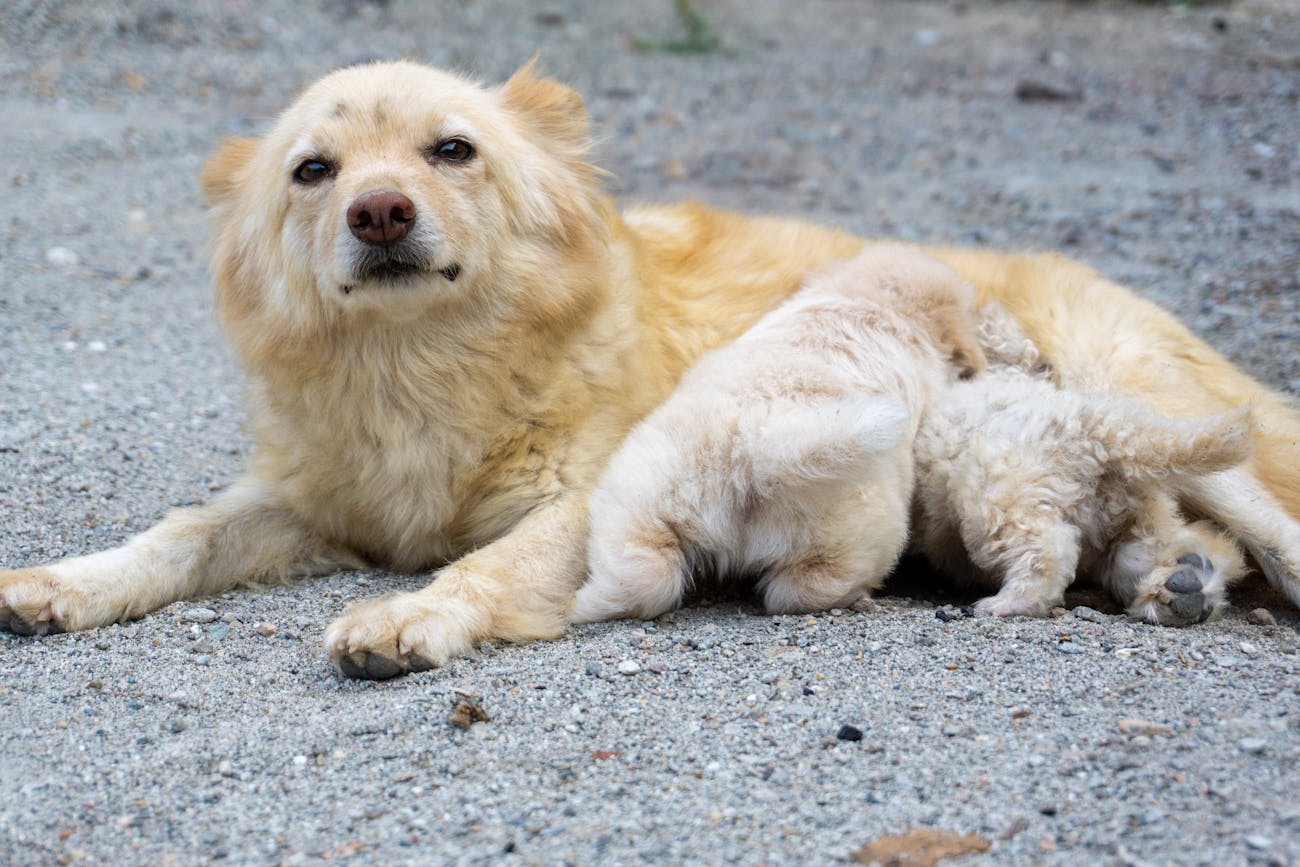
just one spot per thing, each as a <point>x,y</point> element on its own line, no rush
<point>1238,502</point>
<point>246,535</point>
<point>1164,571</point>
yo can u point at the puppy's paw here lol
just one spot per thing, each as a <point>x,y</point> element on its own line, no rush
<point>1013,605</point>
<point>405,632</point>
<point>37,602</point>
<point>1191,590</point>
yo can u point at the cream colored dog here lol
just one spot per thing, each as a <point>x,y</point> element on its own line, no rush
<point>448,329</point>
<point>1022,484</point>
<point>786,457</point>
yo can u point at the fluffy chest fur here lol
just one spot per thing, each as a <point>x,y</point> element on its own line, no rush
<point>413,452</point>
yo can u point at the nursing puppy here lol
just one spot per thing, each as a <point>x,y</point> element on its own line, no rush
<point>786,457</point>
<point>1021,485</point>
<point>448,328</point>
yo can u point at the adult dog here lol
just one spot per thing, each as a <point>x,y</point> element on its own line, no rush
<point>449,328</point>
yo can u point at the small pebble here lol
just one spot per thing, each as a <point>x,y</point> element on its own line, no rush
<point>1254,746</point>
<point>1262,617</point>
<point>202,659</point>
<point>62,257</point>
<point>1259,842</point>
<point>199,615</point>
<point>1143,728</point>
<point>627,666</point>
<point>595,669</point>
<point>849,733</point>
<point>1069,647</point>
<point>1092,615</point>
<point>264,629</point>
<point>1037,90</point>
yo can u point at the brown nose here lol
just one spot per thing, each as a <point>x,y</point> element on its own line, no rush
<point>381,218</point>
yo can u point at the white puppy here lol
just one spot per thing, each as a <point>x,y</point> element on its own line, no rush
<point>1021,484</point>
<point>785,458</point>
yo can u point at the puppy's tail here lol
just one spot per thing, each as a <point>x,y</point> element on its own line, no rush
<point>1144,446</point>
<point>793,444</point>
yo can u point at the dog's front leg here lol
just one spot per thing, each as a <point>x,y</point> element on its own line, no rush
<point>246,534</point>
<point>518,588</point>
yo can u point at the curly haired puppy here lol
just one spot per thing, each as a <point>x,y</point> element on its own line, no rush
<point>787,456</point>
<point>1028,483</point>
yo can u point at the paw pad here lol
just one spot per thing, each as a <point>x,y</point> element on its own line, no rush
<point>1189,604</point>
<point>19,626</point>
<point>1183,582</point>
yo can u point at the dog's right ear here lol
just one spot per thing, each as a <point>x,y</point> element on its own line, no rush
<point>220,174</point>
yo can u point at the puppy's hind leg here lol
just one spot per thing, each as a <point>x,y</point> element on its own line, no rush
<point>1036,566</point>
<point>640,572</point>
<point>816,583</point>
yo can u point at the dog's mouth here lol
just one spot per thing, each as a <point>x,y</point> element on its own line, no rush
<point>396,271</point>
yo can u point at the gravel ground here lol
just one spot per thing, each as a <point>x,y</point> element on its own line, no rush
<point>218,730</point>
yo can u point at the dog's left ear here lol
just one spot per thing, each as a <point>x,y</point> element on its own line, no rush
<point>220,174</point>
<point>553,109</point>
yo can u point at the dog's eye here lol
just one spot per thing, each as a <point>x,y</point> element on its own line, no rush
<point>311,171</point>
<point>455,150</point>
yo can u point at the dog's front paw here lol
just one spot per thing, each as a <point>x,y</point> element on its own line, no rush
<point>1190,591</point>
<point>36,602</point>
<point>405,632</point>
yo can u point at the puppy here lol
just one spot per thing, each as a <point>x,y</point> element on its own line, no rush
<point>787,456</point>
<point>448,328</point>
<point>1021,484</point>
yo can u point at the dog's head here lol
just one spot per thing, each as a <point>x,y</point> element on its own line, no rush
<point>391,189</point>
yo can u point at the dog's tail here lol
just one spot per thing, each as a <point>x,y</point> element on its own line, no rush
<point>1142,445</point>
<point>798,443</point>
